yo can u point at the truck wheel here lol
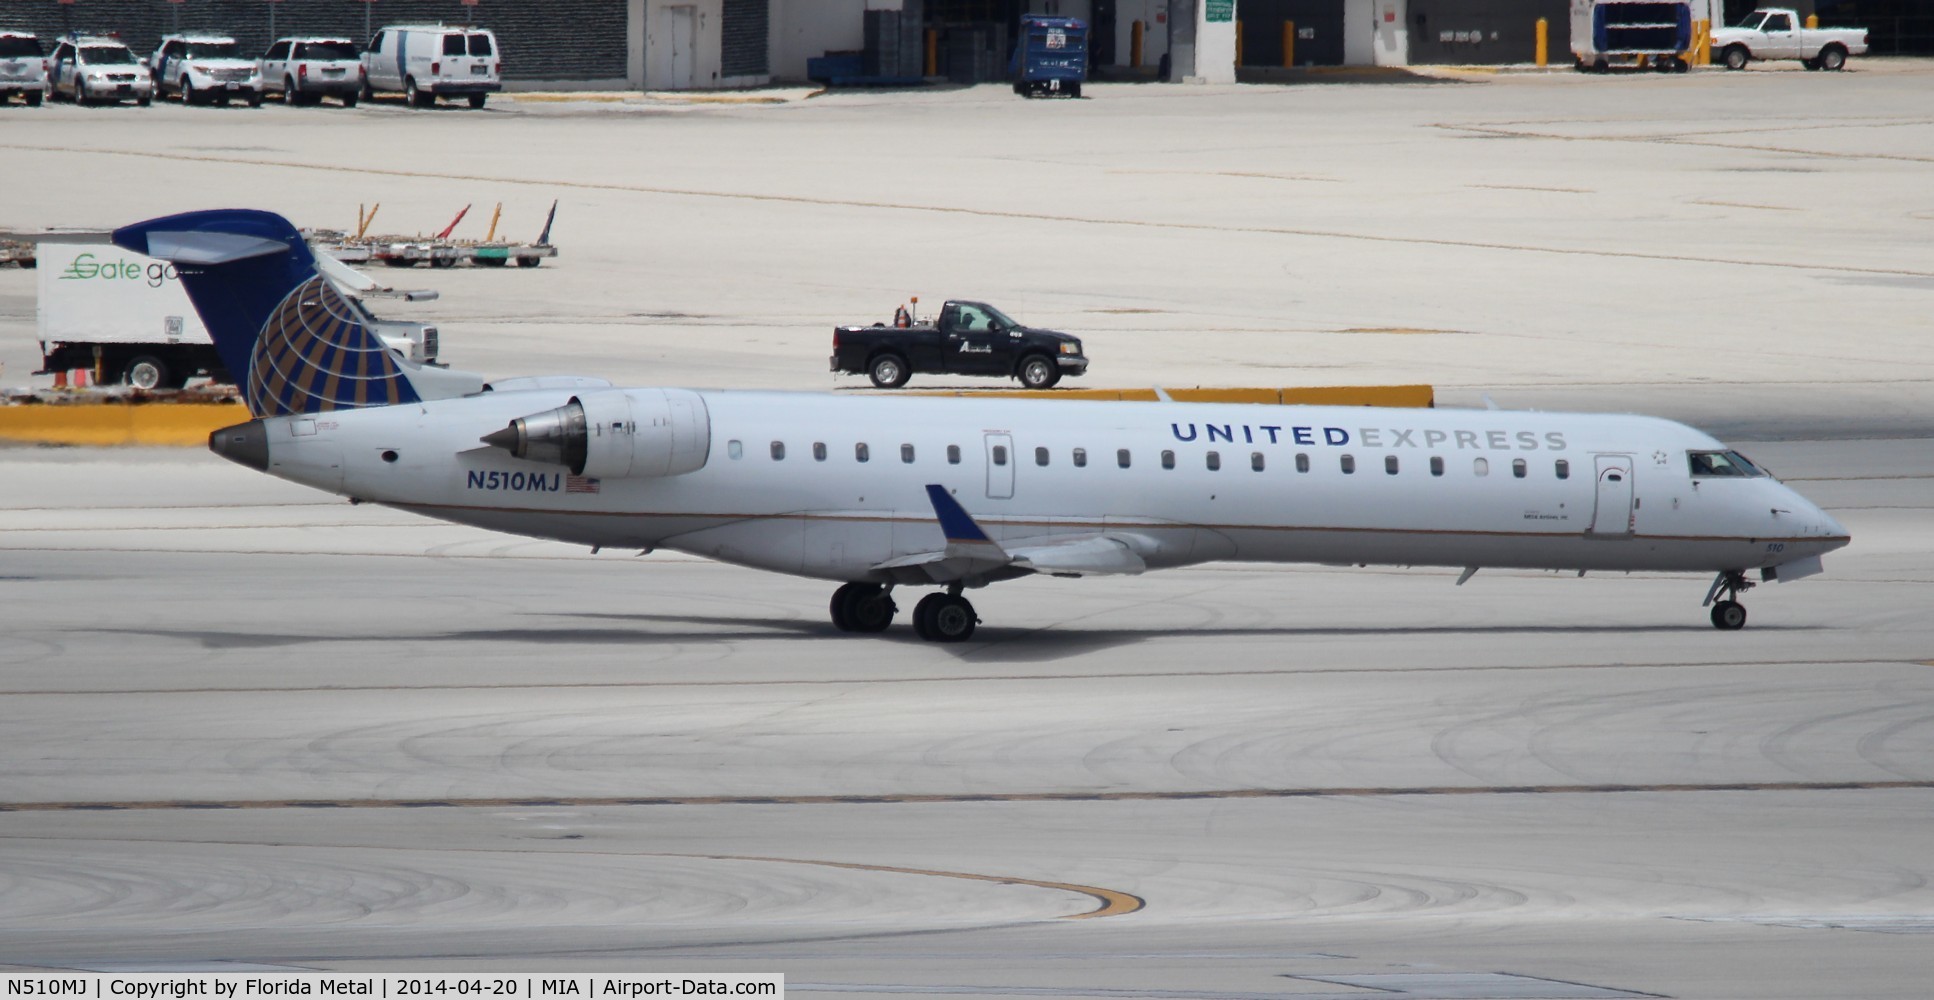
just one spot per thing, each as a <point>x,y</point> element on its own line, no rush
<point>417,98</point>
<point>1737,56</point>
<point>33,98</point>
<point>349,100</point>
<point>1038,372</point>
<point>477,100</point>
<point>1833,58</point>
<point>889,371</point>
<point>147,372</point>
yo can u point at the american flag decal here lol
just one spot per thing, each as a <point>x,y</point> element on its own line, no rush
<point>580,484</point>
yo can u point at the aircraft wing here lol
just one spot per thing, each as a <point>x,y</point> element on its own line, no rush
<point>970,552</point>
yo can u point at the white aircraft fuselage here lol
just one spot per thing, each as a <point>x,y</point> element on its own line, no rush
<point>783,485</point>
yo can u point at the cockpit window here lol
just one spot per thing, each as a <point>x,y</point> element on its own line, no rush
<point>1722,464</point>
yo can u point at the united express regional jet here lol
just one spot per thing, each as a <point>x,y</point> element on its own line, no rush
<point>951,493</point>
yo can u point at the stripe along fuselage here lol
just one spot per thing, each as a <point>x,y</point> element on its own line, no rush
<point>835,487</point>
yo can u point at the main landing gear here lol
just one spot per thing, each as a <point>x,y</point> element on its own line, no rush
<point>869,607</point>
<point>1727,612</point>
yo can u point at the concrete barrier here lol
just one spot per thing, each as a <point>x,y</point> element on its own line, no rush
<point>178,424</point>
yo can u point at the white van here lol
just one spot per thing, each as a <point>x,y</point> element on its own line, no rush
<point>425,62</point>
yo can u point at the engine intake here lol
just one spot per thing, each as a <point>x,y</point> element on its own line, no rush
<point>615,434</point>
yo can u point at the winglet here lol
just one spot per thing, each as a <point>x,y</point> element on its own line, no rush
<point>958,525</point>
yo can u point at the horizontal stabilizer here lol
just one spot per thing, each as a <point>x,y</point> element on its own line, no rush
<point>209,248</point>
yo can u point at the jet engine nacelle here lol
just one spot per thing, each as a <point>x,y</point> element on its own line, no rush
<point>615,433</point>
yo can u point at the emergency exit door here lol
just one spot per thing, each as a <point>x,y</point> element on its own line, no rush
<point>1000,466</point>
<point>1612,517</point>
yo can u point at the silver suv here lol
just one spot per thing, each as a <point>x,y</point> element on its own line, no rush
<point>206,68</point>
<point>23,67</point>
<point>89,68</point>
<point>305,70</point>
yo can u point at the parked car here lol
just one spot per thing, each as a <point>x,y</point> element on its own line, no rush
<point>23,67</point>
<point>969,338</point>
<point>306,70</point>
<point>89,68</point>
<point>205,68</point>
<point>1775,33</point>
<point>425,62</point>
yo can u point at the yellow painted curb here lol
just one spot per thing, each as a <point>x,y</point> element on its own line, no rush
<point>1402,396</point>
<point>180,424</point>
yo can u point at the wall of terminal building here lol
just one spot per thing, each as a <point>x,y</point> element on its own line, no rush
<point>1487,32</point>
<point>582,40</point>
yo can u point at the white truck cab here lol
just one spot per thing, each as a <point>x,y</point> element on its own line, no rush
<point>305,70</point>
<point>206,68</point>
<point>426,62</point>
<point>23,67</point>
<point>89,68</point>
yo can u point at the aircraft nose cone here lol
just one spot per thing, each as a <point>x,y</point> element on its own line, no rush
<point>245,444</point>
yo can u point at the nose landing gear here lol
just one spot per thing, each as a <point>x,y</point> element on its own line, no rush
<point>1727,613</point>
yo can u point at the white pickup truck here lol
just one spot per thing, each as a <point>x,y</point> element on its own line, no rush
<point>1775,33</point>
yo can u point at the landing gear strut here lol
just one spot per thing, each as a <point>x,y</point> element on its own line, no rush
<point>863,607</point>
<point>1727,612</point>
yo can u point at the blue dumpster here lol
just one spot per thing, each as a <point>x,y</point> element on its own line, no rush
<point>1051,56</point>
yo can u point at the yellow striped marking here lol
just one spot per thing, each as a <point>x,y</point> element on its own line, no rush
<point>118,423</point>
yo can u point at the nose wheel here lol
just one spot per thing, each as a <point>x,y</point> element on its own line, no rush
<point>1727,613</point>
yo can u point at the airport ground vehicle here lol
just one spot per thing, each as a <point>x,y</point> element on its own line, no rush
<point>89,68</point>
<point>968,338</point>
<point>125,316</point>
<point>23,67</point>
<point>427,62</point>
<point>1051,56</point>
<point>1776,33</point>
<point>1607,33</point>
<point>205,69</point>
<point>305,70</point>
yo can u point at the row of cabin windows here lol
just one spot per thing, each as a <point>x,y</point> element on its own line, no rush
<point>1520,468</point>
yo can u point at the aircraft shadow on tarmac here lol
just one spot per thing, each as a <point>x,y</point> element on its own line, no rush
<point>993,644</point>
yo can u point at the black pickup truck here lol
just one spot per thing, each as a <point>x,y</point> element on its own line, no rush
<point>970,338</point>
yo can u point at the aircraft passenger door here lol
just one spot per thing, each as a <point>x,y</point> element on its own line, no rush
<point>1000,466</point>
<point>1613,516</point>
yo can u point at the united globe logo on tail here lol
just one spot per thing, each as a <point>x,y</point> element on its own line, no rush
<point>315,354</point>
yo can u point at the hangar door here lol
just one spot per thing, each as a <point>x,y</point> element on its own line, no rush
<point>1319,31</point>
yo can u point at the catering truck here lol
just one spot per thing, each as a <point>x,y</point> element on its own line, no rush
<point>125,318</point>
<point>1776,33</point>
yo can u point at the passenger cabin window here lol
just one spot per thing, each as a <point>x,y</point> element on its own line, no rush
<point>1040,456</point>
<point>1255,460</point>
<point>1480,467</point>
<point>480,45</point>
<point>1081,458</point>
<point>1000,454</point>
<point>1436,465</point>
<point>1349,465</point>
<point>734,450</point>
<point>1168,459</point>
<point>1302,462</point>
<point>279,50</point>
<point>1721,464</point>
<point>1518,467</point>
<point>860,453</point>
<point>1215,461</point>
<point>1121,457</point>
<point>906,454</point>
<point>819,451</point>
<point>453,45</point>
<point>1778,22</point>
<point>1564,469</point>
<point>778,451</point>
<point>1390,465</point>
<point>953,454</point>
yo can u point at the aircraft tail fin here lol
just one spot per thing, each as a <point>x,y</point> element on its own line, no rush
<point>292,340</point>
